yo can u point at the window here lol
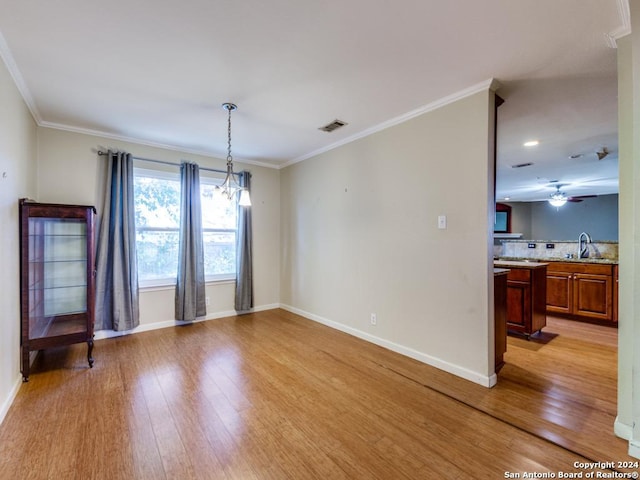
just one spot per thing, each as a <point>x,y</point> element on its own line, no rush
<point>503,219</point>
<point>157,214</point>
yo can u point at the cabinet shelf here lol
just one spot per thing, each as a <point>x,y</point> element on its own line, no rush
<point>32,289</point>
<point>56,277</point>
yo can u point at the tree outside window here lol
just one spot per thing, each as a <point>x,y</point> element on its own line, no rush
<point>157,215</point>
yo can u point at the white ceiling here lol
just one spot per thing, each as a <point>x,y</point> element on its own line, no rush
<point>157,72</point>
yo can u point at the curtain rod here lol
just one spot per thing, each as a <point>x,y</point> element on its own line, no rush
<point>163,162</point>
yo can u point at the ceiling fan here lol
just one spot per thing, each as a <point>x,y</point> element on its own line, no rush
<point>559,198</point>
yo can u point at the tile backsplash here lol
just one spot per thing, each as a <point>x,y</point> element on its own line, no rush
<point>560,250</point>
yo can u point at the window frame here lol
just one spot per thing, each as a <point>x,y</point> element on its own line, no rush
<point>214,178</point>
<point>206,178</point>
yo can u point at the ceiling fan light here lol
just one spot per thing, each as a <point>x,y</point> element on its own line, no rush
<point>558,199</point>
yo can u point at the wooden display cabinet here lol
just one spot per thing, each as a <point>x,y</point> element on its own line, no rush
<point>57,275</point>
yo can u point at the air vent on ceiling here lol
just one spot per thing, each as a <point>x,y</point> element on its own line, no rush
<point>333,126</point>
<point>522,165</point>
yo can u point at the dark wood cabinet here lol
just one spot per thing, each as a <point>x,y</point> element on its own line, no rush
<point>56,277</point>
<point>559,292</point>
<point>500,315</point>
<point>581,290</point>
<point>526,296</point>
<point>615,293</point>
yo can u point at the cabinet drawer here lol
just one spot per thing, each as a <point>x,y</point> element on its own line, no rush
<point>517,274</point>
<point>575,267</point>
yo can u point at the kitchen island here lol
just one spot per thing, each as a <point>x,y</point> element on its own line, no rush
<point>584,289</point>
<point>526,296</point>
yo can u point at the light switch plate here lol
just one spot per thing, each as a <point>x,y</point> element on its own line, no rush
<point>442,222</point>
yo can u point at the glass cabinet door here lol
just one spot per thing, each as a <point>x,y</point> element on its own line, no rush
<point>57,276</point>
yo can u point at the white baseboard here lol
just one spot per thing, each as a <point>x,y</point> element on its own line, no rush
<point>475,377</point>
<point>622,430</point>
<point>145,327</point>
<point>634,449</point>
<point>4,408</point>
<point>625,432</point>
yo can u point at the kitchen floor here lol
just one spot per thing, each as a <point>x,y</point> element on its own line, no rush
<point>562,386</point>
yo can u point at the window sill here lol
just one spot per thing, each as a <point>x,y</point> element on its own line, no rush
<point>171,286</point>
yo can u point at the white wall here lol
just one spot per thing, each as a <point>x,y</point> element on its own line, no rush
<point>17,180</point>
<point>628,420</point>
<point>541,221</point>
<point>521,218</point>
<point>70,171</point>
<point>597,216</point>
<point>360,236</point>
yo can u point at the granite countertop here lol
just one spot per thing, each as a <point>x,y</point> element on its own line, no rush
<point>500,271</point>
<point>519,240</point>
<point>605,261</point>
<point>519,264</point>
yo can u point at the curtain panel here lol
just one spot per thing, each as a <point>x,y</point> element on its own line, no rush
<point>116,264</point>
<point>244,253</point>
<point>190,299</point>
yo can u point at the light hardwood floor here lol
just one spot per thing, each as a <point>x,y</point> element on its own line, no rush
<point>273,395</point>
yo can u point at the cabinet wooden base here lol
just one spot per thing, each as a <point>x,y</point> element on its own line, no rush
<point>26,359</point>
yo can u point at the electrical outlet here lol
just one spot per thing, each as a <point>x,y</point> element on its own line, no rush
<point>531,245</point>
<point>206,301</point>
<point>374,319</point>
<point>551,245</point>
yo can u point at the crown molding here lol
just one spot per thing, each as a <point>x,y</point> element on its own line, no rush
<point>137,141</point>
<point>490,84</point>
<point>14,71</point>
<point>624,29</point>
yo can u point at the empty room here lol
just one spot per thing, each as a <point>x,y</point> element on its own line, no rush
<point>319,240</point>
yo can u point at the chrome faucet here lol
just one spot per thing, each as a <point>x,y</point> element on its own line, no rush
<point>583,245</point>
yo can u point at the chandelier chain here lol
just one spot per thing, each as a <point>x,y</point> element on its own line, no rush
<point>229,158</point>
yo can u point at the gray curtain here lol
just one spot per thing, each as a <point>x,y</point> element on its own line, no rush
<point>190,286</point>
<point>116,263</point>
<point>244,254</point>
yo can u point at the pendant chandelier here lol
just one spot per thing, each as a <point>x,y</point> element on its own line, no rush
<point>230,185</point>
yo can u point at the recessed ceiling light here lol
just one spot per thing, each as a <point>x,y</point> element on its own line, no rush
<point>507,198</point>
<point>531,143</point>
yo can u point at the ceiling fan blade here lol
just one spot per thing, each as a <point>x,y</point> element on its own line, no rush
<point>579,198</point>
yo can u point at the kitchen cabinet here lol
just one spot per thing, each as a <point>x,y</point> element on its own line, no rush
<point>559,291</point>
<point>56,278</point>
<point>581,290</point>
<point>500,315</point>
<point>616,285</point>
<point>526,296</point>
